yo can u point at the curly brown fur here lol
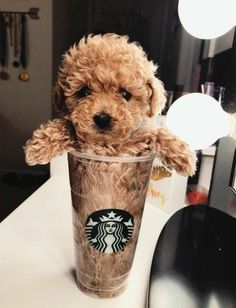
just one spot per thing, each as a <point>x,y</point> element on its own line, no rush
<point>48,140</point>
<point>108,64</point>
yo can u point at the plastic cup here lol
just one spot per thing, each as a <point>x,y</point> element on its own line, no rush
<point>108,197</point>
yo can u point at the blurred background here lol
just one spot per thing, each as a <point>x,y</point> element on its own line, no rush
<point>33,41</point>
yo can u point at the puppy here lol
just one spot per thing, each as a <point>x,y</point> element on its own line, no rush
<point>107,97</point>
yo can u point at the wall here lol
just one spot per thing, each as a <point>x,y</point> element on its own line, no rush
<point>188,59</point>
<point>224,42</point>
<point>24,105</point>
<point>70,23</point>
<point>217,45</point>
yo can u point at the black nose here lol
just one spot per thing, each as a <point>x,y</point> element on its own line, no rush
<point>102,120</point>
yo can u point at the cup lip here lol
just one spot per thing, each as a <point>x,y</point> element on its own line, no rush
<point>124,159</point>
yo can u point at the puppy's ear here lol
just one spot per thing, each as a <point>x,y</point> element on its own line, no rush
<point>59,100</point>
<point>157,98</point>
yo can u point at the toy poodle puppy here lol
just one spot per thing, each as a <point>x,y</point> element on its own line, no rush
<point>107,97</point>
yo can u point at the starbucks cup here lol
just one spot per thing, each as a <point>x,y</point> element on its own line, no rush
<point>108,197</point>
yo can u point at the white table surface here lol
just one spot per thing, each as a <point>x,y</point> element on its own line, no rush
<point>37,257</point>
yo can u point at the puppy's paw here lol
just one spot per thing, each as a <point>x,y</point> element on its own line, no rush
<point>175,153</point>
<point>35,153</point>
<point>184,162</point>
<point>49,140</point>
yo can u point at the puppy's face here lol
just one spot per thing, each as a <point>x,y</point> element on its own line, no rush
<point>109,89</point>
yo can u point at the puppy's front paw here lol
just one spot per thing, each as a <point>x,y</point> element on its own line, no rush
<point>187,164</point>
<point>183,160</point>
<point>48,141</point>
<point>175,153</point>
<point>37,153</point>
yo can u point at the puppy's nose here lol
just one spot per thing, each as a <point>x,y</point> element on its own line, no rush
<point>102,120</point>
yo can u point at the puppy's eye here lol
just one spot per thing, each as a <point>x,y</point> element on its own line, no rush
<point>83,92</point>
<point>125,94</point>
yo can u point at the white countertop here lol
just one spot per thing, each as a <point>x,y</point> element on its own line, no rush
<point>37,258</point>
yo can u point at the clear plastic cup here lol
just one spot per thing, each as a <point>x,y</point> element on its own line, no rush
<point>108,197</point>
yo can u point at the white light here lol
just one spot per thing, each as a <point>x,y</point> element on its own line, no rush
<point>207,19</point>
<point>199,120</point>
<point>213,301</point>
<point>163,286</point>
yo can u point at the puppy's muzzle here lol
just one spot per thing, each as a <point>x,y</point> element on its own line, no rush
<point>102,120</point>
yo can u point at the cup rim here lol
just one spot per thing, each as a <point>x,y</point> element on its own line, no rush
<point>124,159</point>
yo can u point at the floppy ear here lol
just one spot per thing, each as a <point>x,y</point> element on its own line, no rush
<point>59,100</point>
<point>156,96</point>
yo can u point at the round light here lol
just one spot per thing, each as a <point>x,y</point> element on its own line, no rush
<point>198,119</point>
<point>207,19</point>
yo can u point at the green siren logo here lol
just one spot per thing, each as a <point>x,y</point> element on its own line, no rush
<point>109,230</point>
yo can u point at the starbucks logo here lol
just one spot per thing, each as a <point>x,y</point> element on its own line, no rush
<point>109,230</point>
